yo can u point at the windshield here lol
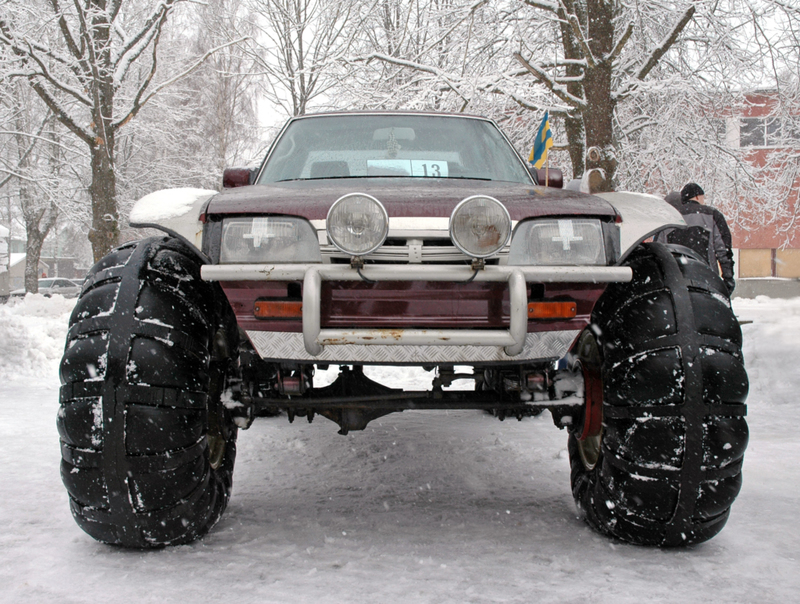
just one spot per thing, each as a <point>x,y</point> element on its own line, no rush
<point>394,145</point>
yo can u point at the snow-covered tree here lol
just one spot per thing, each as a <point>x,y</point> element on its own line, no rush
<point>700,128</point>
<point>577,58</point>
<point>32,161</point>
<point>224,89</point>
<point>187,134</point>
<point>295,48</point>
<point>95,66</point>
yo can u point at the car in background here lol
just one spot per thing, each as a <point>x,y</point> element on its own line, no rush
<point>55,285</point>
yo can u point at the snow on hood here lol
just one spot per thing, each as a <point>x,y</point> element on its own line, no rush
<point>168,204</point>
<point>175,209</point>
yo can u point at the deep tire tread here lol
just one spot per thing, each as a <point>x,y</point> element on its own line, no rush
<point>133,416</point>
<point>674,392</point>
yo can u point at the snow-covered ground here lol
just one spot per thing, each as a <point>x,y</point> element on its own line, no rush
<point>420,507</point>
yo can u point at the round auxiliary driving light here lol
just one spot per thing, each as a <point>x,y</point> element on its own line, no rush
<point>480,226</point>
<point>357,224</point>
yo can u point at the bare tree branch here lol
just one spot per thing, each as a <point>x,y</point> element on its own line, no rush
<point>553,7</point>
<point>139,102</point>
<point>668,42</point>
<point>66,33</point>
<point>56,82</point>
<point>579,36</point>
<point>557,89</point>
<point>620,43</point>
<point>132,48</point>
<point>445,77</point>
<point>60,112</point>
<point>26,154</point>
<point>21,46</point>
<point>136,46</point>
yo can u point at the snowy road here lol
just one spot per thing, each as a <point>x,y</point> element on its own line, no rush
<point>420,507</point>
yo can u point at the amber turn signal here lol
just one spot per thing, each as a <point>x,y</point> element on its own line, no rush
<point>278,309</point>
<point>552,310</point>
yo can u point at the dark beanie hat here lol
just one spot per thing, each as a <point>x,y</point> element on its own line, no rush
<point>691,191</point>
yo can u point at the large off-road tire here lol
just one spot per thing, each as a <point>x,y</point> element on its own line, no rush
<point>665,466</point>
<point>147,445</point>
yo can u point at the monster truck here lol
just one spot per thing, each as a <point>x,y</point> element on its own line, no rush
<point>401,238</point>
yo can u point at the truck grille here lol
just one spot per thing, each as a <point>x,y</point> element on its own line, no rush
<point>410,250</point>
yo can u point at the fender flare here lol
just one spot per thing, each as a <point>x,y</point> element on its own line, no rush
<point>643,216</point>
<point>176,212</point>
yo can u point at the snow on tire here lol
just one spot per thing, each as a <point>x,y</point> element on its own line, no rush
<point>147,446</point>
<point>668,465</point>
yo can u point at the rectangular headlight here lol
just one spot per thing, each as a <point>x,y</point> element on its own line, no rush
<point>558,242</point>
<point>268,239</point>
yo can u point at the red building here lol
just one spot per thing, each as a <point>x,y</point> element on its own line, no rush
<point>768,241</point>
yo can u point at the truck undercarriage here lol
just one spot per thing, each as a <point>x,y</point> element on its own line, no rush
<point>353,399</point>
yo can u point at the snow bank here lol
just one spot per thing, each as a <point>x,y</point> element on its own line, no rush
<point>770,329</point>
<point>32,334</point>
<point>422,507</point>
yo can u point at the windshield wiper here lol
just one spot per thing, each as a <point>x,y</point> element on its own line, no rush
<point>353,176</point>
<point>317,178</point>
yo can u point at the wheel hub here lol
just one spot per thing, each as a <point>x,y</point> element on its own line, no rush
<point>590,434</point>
<point>216,450</point>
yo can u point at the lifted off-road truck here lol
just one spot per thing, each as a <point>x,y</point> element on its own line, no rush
<point>399,238</point>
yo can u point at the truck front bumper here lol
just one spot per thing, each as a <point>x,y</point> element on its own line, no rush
<point>466,345</point>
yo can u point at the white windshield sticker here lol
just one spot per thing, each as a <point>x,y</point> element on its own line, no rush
<point>407,167</point>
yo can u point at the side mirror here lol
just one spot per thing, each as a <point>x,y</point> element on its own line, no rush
<point>237,177</point>
<point>549,177</point>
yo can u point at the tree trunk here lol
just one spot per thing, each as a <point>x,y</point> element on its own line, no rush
<point>598,120</point>
<point>576,133</point>
<point>104,235</point>
<point>598,117</point>
<point>38,216</point>
<point>590,130</point>
<point>33,252</point>
<point>38,223</point>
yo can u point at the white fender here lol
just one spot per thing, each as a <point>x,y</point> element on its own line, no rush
<point>642,215</point>
<point>176,210</point>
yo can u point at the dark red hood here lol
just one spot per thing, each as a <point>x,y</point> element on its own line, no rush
<point>404,197</point>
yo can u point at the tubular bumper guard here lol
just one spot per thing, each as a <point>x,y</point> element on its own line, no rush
<point>312,275</point>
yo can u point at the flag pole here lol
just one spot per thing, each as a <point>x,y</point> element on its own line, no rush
<point>547,171</point>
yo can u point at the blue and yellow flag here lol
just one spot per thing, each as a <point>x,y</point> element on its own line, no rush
<point>544,140</point>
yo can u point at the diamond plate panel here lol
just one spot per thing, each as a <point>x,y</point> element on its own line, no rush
<point>289,346</point>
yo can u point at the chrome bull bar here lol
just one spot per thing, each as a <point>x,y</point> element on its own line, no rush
<point>512,339</point>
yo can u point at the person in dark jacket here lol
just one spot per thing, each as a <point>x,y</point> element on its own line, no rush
<point>708,233</point>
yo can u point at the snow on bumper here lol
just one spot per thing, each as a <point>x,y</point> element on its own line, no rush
<point>418,345</point>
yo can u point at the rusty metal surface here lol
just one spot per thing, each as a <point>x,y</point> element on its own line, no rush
<point>289,346</point>
<point>512,340</point>
<point>507,343</point>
